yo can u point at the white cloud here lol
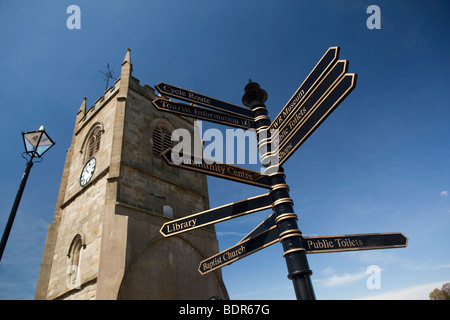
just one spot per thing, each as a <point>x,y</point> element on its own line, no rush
<point>230,233</point>
<point>419,292</point>
<point>329,270</point>
<point>339,280</point>
<point>444,194</point>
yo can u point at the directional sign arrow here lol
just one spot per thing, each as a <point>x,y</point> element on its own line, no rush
<point>240,250</point>
<point>204,114</point>
<point>200,99</point>
<point>304,110</point>
<point>354,242</point>
<point>204,218</point>
<point>221,170</point>
<point>303,129</point>
<point>314,77</point>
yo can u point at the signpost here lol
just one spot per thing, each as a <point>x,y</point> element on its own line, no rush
<point>323,90</point>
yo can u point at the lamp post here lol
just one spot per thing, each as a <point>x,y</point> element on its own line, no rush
<point>36,144</point>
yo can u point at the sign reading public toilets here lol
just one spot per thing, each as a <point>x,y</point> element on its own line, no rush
<point>354,242</point>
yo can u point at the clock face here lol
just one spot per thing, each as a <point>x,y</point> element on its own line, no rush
<point>87,172</point>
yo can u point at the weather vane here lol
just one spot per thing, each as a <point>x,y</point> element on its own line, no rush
<point>108,75</point>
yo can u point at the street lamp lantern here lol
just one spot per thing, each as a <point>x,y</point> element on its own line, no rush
<point>36,144</point>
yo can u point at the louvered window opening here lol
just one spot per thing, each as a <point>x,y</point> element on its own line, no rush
<point>161,140</point>
<point>94,142</point>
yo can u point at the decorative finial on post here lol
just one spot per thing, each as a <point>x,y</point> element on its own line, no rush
<point>253,92</point>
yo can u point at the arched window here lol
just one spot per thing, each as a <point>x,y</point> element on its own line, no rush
<point>94,142</point>
<point>74,256</point>
<point>161,140</point>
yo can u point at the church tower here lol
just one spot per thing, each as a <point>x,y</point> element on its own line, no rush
<point>115,194</point>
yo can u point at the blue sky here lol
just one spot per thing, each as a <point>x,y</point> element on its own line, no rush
<point>379,163</point>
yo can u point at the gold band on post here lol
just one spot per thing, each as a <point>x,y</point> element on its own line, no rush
<point>279,186</point>
<point>263,141</point>
<point>259,108</point>
<point>262,128</point>
<point>282,200</point>
<point>261,117</point>
<point>285,216</point>
<point>290,234</point>
<point>293,250</point>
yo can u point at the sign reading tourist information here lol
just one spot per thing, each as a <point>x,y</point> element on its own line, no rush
<point>354,242</point>
<point>211,216</point>
<point>221,170</point>
<point>203,114</point>
<point>202,100</point>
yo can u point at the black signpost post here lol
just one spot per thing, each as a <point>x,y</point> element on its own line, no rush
<point>323,90</point>
<point>289,234</point>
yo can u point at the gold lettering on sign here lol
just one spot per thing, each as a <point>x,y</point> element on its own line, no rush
<point>240,174</point>
<point>172,90</point>
<point>287,109</point>
<point>349,243</point>
<point>297,117</point>
<point>330,243</point>
<point>198,98</point>
<point>285,151</point>
<point>176,226</point>
<point>222,258</point>
<point>225,170</point>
